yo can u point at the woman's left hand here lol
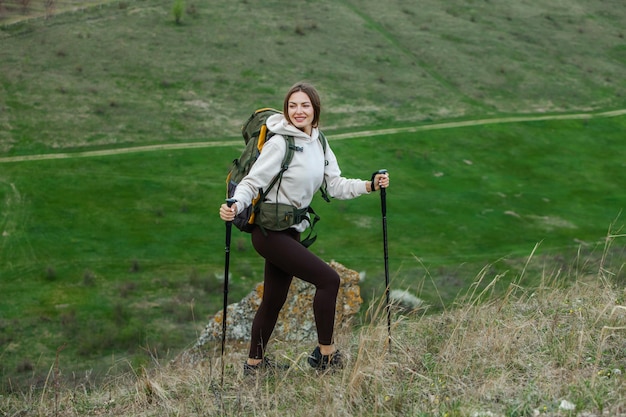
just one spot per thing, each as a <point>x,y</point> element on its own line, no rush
<point>381,181</point>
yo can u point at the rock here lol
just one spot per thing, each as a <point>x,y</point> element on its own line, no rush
<point>404,301</point>
<point>295,321</point>
<point>566,405</point>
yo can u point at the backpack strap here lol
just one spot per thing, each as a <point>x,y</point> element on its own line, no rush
<point>310,239</point>
<point>323,188</point>
<point>291,148</point>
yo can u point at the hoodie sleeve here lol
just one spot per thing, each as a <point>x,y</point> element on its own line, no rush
<point>337,186</point>
<point>261,173</point>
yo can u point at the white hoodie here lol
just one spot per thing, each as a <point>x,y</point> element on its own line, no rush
<point>305,174</point>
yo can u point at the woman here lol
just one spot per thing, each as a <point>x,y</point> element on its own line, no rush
<point>284,256</point>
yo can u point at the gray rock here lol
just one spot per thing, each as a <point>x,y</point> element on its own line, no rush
<point>295,322</point>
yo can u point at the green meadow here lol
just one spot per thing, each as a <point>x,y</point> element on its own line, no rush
<point>502,127</point>
<point>111,255</point>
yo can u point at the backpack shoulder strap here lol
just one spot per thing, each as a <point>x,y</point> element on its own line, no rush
<point>323,188</point>
<point>324,142</point>
<point>290,149</point>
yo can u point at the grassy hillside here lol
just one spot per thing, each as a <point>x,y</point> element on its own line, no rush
<point>125,73</point>
<point>119,256</point>
<point>108,261</point>
<point>554,350</point>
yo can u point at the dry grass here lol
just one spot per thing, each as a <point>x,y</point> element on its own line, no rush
<point>528,353</point>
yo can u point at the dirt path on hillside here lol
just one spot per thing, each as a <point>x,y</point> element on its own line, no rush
<point>343,136</point>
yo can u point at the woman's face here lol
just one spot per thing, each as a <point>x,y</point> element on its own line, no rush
<point>301,112</point>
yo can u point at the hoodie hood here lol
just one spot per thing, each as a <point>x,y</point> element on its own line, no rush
<point>278,124</point>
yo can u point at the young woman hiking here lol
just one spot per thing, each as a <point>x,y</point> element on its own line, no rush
<point>284,256</point>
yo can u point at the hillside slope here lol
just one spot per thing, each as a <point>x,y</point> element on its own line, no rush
<point>125,73</point>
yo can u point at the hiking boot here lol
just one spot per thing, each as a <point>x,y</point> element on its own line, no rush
<point>323,362</point>
<point>265,365</point>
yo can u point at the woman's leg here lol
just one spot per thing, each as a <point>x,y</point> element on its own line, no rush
<point>275,289</point>
<point>286,257</point>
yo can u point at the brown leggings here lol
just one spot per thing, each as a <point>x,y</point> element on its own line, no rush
<point>285,258</point>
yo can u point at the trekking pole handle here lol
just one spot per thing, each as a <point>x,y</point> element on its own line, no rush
<point>229,203</point>
<point>372,186</point>
<point>383,193</point>
<point>229,224</point>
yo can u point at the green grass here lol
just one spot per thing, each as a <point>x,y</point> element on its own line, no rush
<point>106,253</point>
<point>126,73</point>
<point>116,257</point>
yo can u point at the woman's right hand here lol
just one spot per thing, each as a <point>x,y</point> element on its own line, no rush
<point>228,213</point>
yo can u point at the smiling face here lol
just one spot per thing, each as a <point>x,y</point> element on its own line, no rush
<point>301,112</point>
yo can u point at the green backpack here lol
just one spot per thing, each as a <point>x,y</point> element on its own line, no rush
<point>266,215</point>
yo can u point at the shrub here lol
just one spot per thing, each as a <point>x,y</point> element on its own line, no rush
<point>177,10</point>
<point>50,274</point>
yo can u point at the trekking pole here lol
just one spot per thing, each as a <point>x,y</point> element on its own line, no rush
<point>229,227</point>
<point>383,206</point>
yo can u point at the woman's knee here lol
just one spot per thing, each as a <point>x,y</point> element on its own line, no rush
<point>331,281</point>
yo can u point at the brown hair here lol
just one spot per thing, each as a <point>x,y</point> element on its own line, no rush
<point>310,91</point>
